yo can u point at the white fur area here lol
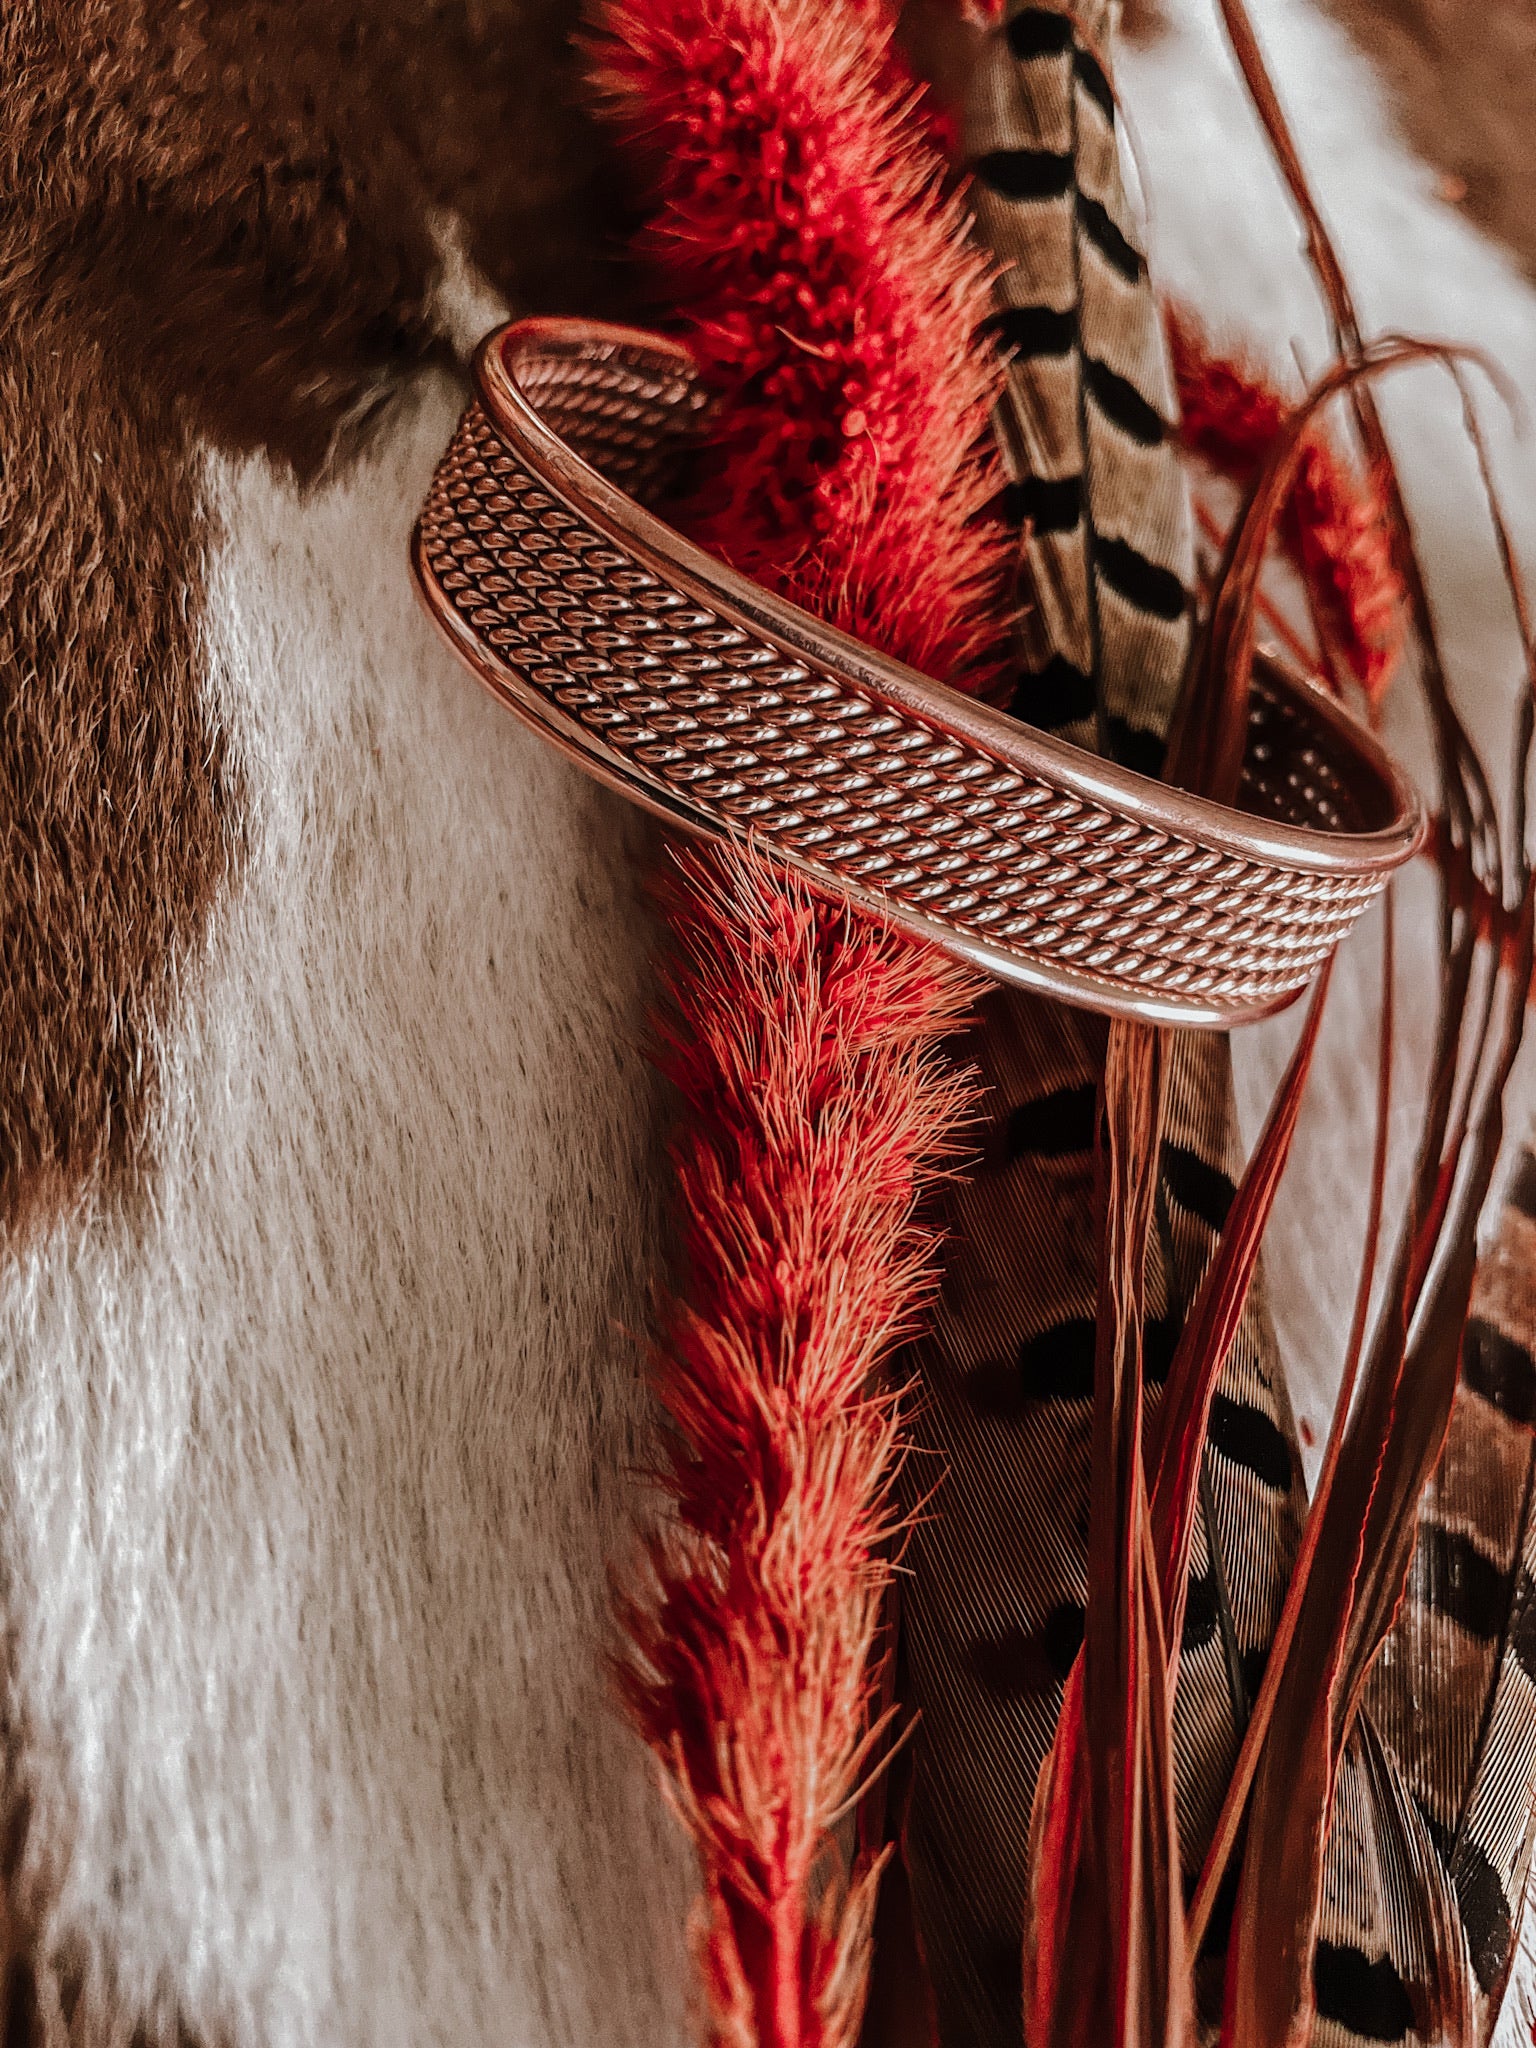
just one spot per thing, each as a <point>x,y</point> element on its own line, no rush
<point>311,1474</point>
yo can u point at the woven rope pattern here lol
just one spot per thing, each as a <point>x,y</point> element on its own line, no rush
<point>851,787</point>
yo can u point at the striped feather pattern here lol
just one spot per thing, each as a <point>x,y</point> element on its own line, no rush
<point>1453,1692</point>
<point>1389,1927</point>
<point>993,1611</point>
<point>1095,481</point>
<point>1430,1845</point>
<point>997,1569</point>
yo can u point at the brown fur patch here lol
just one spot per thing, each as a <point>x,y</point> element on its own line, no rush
<point>1462,75</point>
<point>215,225</point>
<point>114,790</point>
<point>1142,21</point>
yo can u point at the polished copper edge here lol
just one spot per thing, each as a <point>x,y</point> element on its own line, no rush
<point>734,714</point>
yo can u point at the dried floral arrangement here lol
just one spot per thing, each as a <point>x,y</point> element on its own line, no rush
<point>1225,1761</point>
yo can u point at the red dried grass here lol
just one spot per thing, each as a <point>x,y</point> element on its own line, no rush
<point>1334,522</point>
<point>801,233</point>
<point>814,1104</point>
<point>828,291</point>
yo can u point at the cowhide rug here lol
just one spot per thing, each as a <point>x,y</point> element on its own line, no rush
<point>329,1171</point>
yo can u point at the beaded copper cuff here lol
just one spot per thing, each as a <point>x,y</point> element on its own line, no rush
<point>733,713</point>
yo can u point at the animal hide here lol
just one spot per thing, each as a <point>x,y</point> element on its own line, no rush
<point>330,1167</point>
<point>330,1148</point>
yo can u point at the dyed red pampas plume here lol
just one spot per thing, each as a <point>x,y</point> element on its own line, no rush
<point>829,293</point>
<point>801,232</point>
<point>1334,523</point>
<point>802,1043</point>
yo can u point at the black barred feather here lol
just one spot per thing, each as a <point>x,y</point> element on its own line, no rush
<point>994,1605</point>
<point>1390,1928</point>
<point>1095,480</point>
<point>1430,1845</point>
<point>1453,1692</point>
<point>993,1610</point>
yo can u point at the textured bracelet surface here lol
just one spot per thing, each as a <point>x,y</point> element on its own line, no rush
<point>733,713</point>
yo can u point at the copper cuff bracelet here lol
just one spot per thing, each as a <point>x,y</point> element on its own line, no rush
<point>733,713</point>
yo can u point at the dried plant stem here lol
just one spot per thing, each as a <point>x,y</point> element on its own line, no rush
<point>1104,1872</point>
<point>1211,531</point>
<point>1206,746</point>
<point>803,1043</point>
<point>802,232</point>
<point>1229,1821</point>
<point>1360,1536</point>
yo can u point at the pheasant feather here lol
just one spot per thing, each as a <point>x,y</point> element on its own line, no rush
<point>1085,425</point>
<point>995,1612</point>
